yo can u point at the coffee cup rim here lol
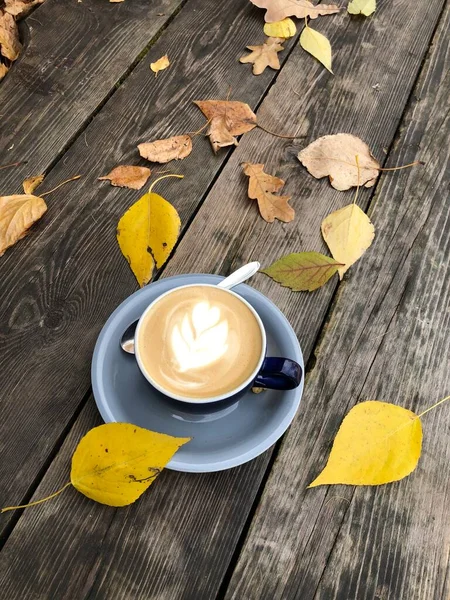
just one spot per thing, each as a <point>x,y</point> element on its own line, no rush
<point>211,399</point>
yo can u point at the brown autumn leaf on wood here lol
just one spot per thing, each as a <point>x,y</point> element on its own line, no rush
<point>3,70</point>
<point>20,8</point>
<point>30,184</point>
<point>128,176</point>
<point>334,156</point>
<point>261,187</point>
<point>163,151</point>
<point>277,10</point>
<point>265,55</point>
<point>17,214</point>
<point>228,118</point>
<point>10,45</point>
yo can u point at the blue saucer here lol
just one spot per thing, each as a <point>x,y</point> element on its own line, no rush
<point>224,435</point>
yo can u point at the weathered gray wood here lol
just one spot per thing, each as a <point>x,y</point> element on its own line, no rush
<point>387,338</point>
<point>155,557</point>
<point>74,55</point>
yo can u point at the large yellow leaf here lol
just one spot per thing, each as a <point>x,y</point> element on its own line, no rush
<point>147,234</point>
<point>377,443</point>
<point>318,45</point>
<point>348,233</point>
<point>115,463</point>
<point>17,214</point>
<point>281,29</point>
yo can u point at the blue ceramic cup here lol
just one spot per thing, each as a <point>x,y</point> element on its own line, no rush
<point>275,373</point>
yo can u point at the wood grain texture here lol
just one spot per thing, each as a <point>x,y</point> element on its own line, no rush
<point>60,284</point>
<point>180,543</point>
<point>387,339</point>
<point>74,55</point>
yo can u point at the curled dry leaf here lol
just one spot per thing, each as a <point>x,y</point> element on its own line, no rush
<point>265,55</point>
<point>3,70</point>
<point>303,271</point>
<point>377,443</point>
<point>317,45</point>
<point>128,176</point>
<point>277,10</point>
<point>163,151</point>
<point>10,45</point>
<point>281,29</point>
<point>334,156</point>
<point>362,7</point>
<point>228,118</point>
<point>261,187</point>
<point>348,233</point>
<point>20,8</point>
<point>161,64</point>
<point>17,215</point>
<point>30,184</point>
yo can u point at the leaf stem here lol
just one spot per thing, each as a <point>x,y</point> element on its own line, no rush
<point>413,164</point>
<point>357,180</point>
<point>199,130</point>
<point>163,177</point>
<point>286,137</point>
<point>37,501</point>
<point>433,407</point>
<point>59,185</point>
<point>16,164</point>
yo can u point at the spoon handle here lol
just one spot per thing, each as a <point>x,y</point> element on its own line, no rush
<point>240,275</point>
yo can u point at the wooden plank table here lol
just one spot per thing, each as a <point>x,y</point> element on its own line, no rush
<point>79,100</point>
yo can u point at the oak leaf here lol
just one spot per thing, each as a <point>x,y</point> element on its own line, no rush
<point>377,443</point>
<point>159,65</point>
<point>10,45</point>
<point>317,45</point>
<point>163,151</point>
<point>228,118</point>
<point>17,215</point>
<point>128,176</point>
<point>348,233</point>
<point>281,29</point>
<point>265,55</point>
<point>303,271</point>
<point>261,187</point>
<point>30,184</point>
<point>362,7</point>
<point>278,10</point>
<point>334,156</point>
<point>20,8</point>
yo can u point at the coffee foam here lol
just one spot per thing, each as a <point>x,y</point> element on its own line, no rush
<point>199,342</point>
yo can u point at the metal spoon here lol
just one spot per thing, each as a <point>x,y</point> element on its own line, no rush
<point>237,277</point>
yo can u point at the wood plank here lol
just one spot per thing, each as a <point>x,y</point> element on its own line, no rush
<point>60,283</point>
<point>74,55</point>
<point>387,338</point>
<point>185,551</point>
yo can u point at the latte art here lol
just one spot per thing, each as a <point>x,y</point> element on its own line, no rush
<point>200,342</point>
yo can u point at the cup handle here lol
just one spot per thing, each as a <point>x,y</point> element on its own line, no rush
<point>279,374</point>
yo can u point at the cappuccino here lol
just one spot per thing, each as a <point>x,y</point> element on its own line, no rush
<point>199,342</point>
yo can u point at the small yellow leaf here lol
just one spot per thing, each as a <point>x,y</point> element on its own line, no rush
<point>348,233</point>
<point>115,463</point>
<point>362,7</point>
<point>318,45</point>
<point>377,443</point>
<point>17,214</point>
<point>147,234</point>
<point>161,64</point>
<point>30,184</point>
<point>281,29</point>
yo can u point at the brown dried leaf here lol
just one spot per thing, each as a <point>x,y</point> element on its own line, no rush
<point>261,187</point>
<point>20,8</point>
<point>17,214</point>
<point>128,176</point>
<point>10,45</point>
<point>161,64</point>
<point>277,10</point>
<point>227,119</point>
<point>265,55</point>
<point>334,156</point>
<point>163,151</point>
<point>3,70</point>
<point>30,184</point>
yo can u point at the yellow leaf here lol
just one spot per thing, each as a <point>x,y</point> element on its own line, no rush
<point>377,443</point>
<point>161,64</point>
<point>362,7</point>
<point>17,214</point>
<point>318,45</point>
<point>348,233</point>
<point>115,463</point>
<point>30,184</point>
<point>147,233</point>
<point>281,29</point>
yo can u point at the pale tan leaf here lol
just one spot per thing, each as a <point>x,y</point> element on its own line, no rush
<point>265,55</point>
<point>334,156</point>
<point>30,184</point>
<point>163,151</point>
<point>20,8</point>
<point>219,133</point>
<point>3,70</point>
<point>159,65</point>
<point>10,45</point>
<point>128,176</point>
<point>362,7</point>
<point>17,214</point>
<point>278,10</point>
<point>261,187</point>
<point>317,45</point>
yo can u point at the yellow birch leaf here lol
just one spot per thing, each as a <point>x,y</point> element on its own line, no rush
<point>317,45</point>
<point>348,233</point>
<point>115,463</point>
<point>281,29</point>
<point>377,443</point>
<point>362,7</point>
<point>17,215</point>
<point>147,233</point>
<point>161,64</point>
